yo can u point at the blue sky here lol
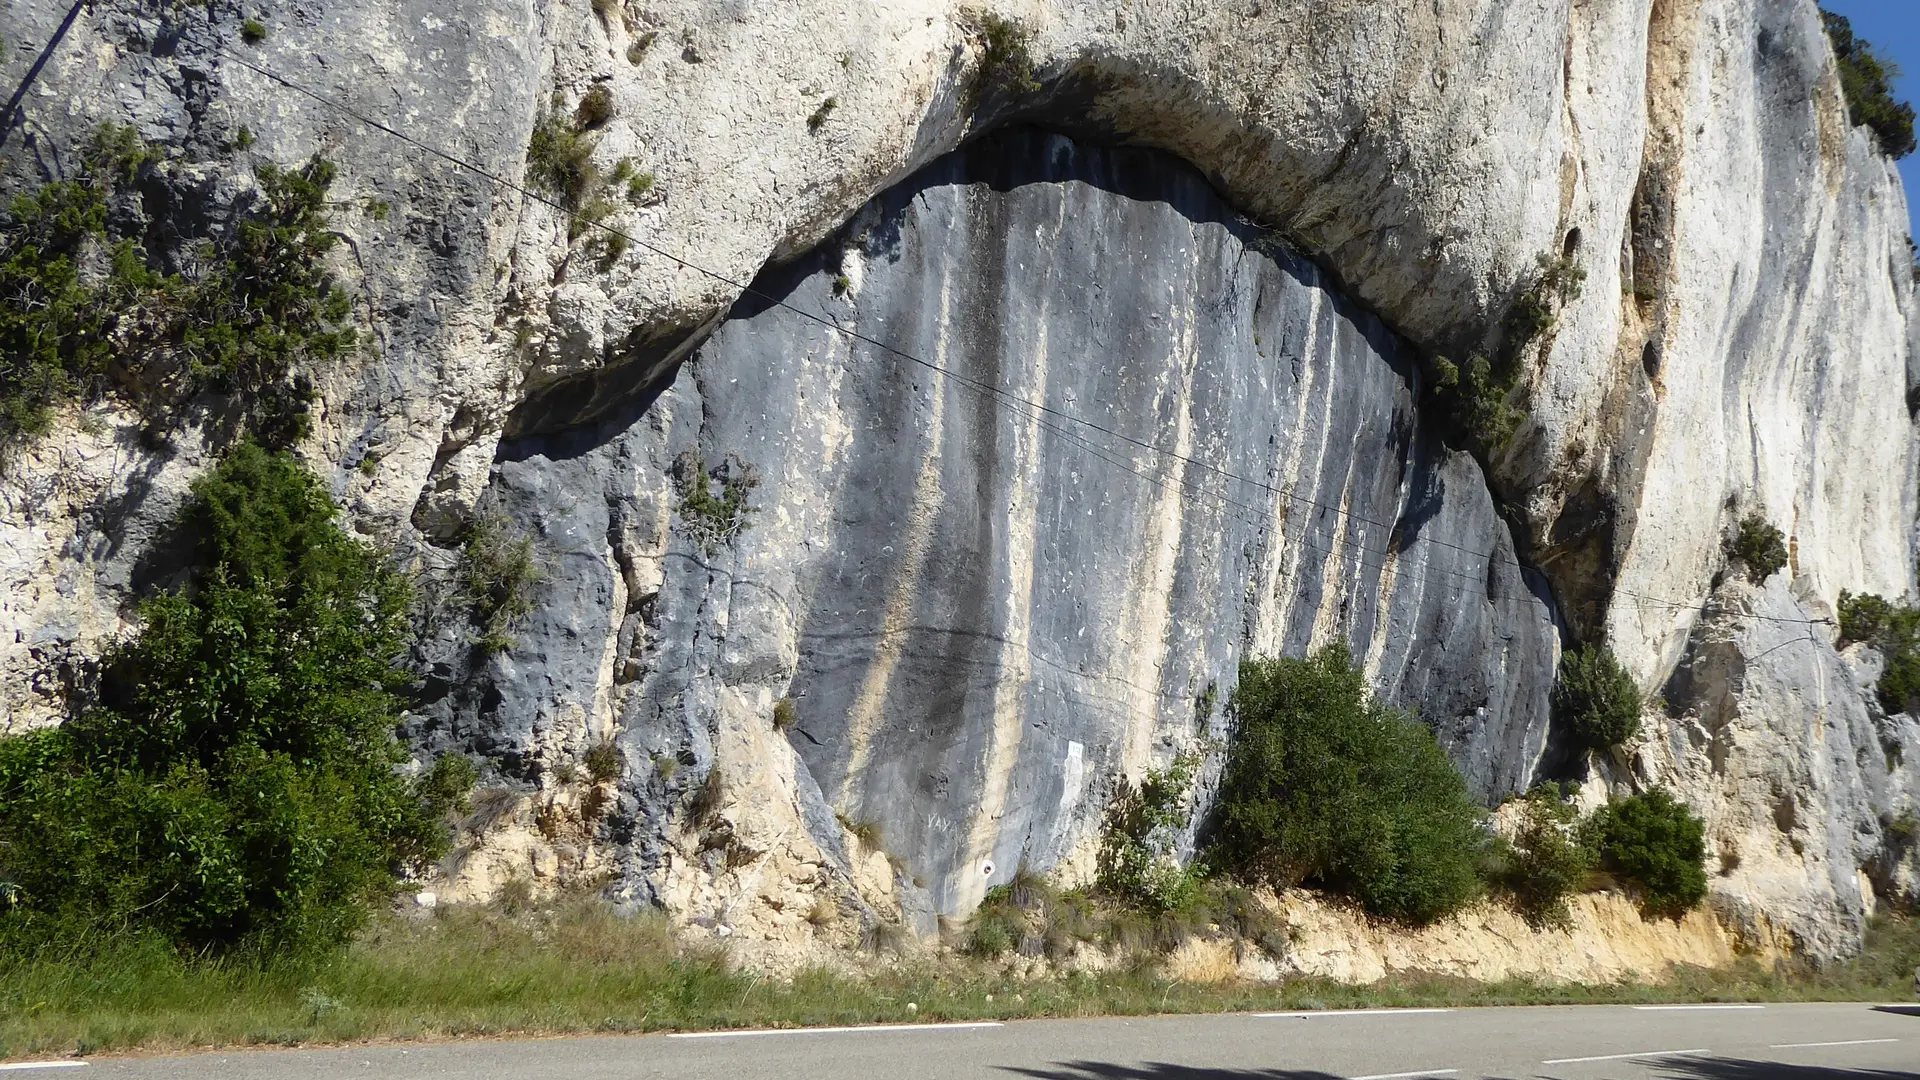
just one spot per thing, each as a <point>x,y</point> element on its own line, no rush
<point>1893,26</point>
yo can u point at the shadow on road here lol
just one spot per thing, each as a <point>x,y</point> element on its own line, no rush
<point>1159,1070</point>
<point>1898,1010</point>
<point>1715,1068</point>
<point>1700,1068</point>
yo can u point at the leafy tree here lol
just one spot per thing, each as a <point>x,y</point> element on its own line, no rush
<point>1325,785</point>
<point>235,784</point>
<point>1867,79</point>
<point>1894,629</point>
<point>1654,841</point>
<point>1596,699</point>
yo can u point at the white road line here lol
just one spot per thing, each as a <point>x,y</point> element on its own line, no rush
<point>44,1065</point>
<point>1843,1042</point>
<point>1678,1008</point>
<point>1349,1012</point>
<point>1623,1057</point>
<point>1403,1076</point>
<point>857,1029</point>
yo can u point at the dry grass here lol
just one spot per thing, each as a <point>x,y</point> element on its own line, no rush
<point>582,968</point>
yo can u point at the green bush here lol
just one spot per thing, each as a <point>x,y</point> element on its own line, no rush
<point>1596,699</point>
<point>84,304</point>
<point>1136,864</point>
<point>1655,842</point>
<point>1758,546</point>
<point>1325,785</point>
<point>1893,629</point>
<point>1867,79</point>
<point>234,784</point>
<point>1545,863</point>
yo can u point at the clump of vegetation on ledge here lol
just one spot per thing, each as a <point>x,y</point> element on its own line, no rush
<point>1893,629</point>
<point>1595,699</point>
<point>1759,547</point>
<point>1866,78</point>
<point>1006,57</point>
<point>232,786</point>
<point>1477,398</point>
<point>713,520</point>
<point>87,310</point>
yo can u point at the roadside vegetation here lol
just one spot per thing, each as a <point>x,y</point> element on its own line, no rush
<point>231,786</point>
<point>578,968</point>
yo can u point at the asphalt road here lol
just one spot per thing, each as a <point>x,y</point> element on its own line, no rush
<point>1772,1042</point>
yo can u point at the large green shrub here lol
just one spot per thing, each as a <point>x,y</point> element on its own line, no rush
<point>85,309</point>
<point>1596,699</point>
<point>1867,79</point>
<point>234,785</point>
<point>1654,841</point>
<point>1894,629</point>
<point>1325,785</point>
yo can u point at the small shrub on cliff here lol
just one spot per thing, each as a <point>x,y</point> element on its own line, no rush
<point>233,786</point>
<point>1759,547</point>
<point>714,521</point>
<point>560,160</point>
<point>1137,864</point>
<point>1325,785</point>
<point>1596,699</point>
<point>1867,80</point>
<point>1477,397</point>
<point>1006,57</point>
<point>604,762</point>
<point>1893,629</point>
<point>498,578</point>
<point>1654,841</point>
<point>86,309</point>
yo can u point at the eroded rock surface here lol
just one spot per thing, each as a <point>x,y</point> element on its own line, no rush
<point>1742,344</point>
<point>1044,444</point>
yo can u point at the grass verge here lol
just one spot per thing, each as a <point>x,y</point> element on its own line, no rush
<point>581,969</point>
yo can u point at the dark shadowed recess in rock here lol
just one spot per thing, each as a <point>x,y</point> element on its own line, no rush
<point>987,607</point>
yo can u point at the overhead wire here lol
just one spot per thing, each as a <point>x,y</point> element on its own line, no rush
<point>1007,397</point>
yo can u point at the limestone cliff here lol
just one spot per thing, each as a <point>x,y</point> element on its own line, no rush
<point>1072,370</point>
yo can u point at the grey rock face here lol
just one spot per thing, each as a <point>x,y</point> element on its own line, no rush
<point>1780,746</point>
<point>1046,442</point>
